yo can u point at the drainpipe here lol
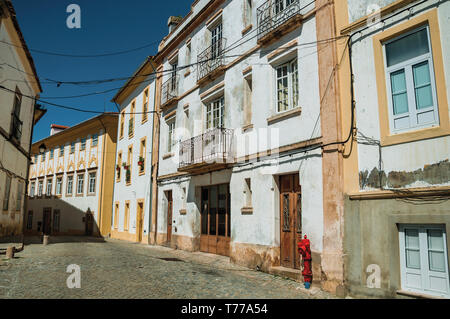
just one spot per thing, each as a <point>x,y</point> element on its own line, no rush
<point>100,217</point>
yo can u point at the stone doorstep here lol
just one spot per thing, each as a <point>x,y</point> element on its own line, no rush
<point>296,275</point>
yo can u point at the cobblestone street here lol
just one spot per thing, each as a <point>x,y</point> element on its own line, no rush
<point>115,269</point>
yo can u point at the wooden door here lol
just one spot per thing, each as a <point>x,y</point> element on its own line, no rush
<point>290,220</point>
<point>46,223</point>
<point>169,216</point>
<point>139,221</point>
<point>215,220</point>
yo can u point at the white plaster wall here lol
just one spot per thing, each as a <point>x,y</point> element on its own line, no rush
<point>403,157</point>
<point>140,184</point>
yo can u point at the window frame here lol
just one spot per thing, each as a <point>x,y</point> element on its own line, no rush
<point>210,110</point>
<point>71,179</point>
<point>431,19</point>
<point>145,101</point>
<point>60,177</point>
<point>171,127</point>
<point>47,185</point>
<point>424,257</point>
<point>407,67</point>
<point>78,184</point>
<point>94,140</point>
<point>291,92</point>
<point>90,184</point>
<point>19,195</point>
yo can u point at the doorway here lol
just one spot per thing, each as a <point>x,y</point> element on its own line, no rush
<point>290,220</point>
<point>215,219</point>
<point>139,220</point>
<point>169,216</point>
<point>46,223</point>
<point>89,224</point>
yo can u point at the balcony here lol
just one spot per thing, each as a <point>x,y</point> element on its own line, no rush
<point>211,62</point>
<point>169,91</point>
<point>276,18</point>
<point>210,151</point>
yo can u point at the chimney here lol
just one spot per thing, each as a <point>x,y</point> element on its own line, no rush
<point>54,129</point>
<point>173,22</point>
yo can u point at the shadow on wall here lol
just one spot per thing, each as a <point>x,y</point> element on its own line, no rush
<point>60,220</point>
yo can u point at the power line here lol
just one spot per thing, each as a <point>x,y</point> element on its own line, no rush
<point>82,55</point>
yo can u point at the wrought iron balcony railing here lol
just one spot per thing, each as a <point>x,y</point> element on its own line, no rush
<point>214,146</point>
<point>210,59</point>
<point>274,13</point>
<point>169,90</point>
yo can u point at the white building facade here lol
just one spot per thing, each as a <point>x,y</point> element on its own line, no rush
<point>240,159</point>
<point>133,158</point>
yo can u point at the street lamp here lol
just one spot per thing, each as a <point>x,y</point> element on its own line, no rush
<point>42,148</point>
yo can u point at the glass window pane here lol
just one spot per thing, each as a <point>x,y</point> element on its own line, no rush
<point>437,261</point>
<point>412,238</point>
<point>413,259</point>
<point>422,85</point>
<point>408,47</point>
<point>435,239</point>
<point>399,95</point>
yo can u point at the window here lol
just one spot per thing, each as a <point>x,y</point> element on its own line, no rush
<point>248,89</point>
<point>171,135</point>
<point>424,259</point>
<point>127,216</point>
<point>94,139</point>
<point>122,123</point>
<point>19,196</point>
<point>52,153</point>
<point>35,159</point>
<point>116,216</point>
<point>83,144</point>
<point>80,183</point>
<point>119,166</point>
<point>40,187</point>
<point>61,150</point>
<point>131,120</point>
<point>142,156</point>
<point>30,220</point>
<point>72,147</point>
<point>49,186</point>
<point>410,81</point>
<point>58,185</point>
<point>7,192</point>
<point>129,163</point>
<point>145,106</point>
<point>32,188</point>
<point>16,123</point>
<point>247,12</point>
<point>173,76</point>
<point>92,180</point>
<point>287,86</point>
<point>215,114</point>
<point>188,54</point>
<point>248,192</point>
<point>56,220</point>
<point>216,41</point>
<point>69,185</point>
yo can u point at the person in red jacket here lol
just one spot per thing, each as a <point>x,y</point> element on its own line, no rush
<point>304,249</point>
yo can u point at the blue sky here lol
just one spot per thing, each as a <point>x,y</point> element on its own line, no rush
<point>106,26</point>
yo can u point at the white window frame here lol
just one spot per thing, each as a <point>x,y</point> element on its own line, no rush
<point>409,78</point>
<point>424,270</point>
<point>40,187</point>
<point>92,182</point>
<point>293,95</point>
<point>211,108</point>
<point>32,188</point>
<point>48,192</point>
<point>78,184</point>
<point>171,141</point>
<point>59,182</point>
<point>69,185</point>
<point>83,144</point>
